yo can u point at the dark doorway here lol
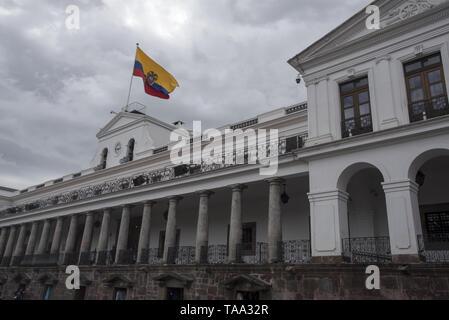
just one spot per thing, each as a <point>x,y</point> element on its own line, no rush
<point>175,293</point>
<point>247,295</point>
<point>80,294</point>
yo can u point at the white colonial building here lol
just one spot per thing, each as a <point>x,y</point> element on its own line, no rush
<point>362,175</point>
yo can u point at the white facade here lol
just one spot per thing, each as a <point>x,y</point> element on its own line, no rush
<point>361,186</point>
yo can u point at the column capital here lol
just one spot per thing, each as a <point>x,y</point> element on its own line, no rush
<point>89,213</point>
<point>275,180</point>
<point>126,206</point>
<point>238,187</point>
<point>400,185</point>
<point>174,198</point>
<point>205,193</point>
<point>149,203</point>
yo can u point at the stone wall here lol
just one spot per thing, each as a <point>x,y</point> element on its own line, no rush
<point>285,282</point>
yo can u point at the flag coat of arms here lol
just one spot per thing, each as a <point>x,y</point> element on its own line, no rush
<point>157,81</point>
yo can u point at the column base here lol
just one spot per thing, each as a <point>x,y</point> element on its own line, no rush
<point>327,260</point>
<point>405,258</point>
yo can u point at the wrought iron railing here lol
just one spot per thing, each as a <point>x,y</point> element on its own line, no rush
<point>284,146</point>
<point>296,251</point>
<point>356,126</point>
<point>434,248</point>
<point>428,109</point>
<point>87,258</point>
<point>367,250</point>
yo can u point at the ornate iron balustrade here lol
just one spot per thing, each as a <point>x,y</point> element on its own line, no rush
<point>144,178</point>
<point>356,126</point>
<point>428,109</point>
<point>296,108</point>
<point>367,250</point>
<point>434,248</point>
<point>87,258</point>
<point>127,257</point>
<point>296,251</point>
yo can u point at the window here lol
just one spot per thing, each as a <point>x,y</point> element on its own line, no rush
<point>426,88</point>
<point>437,223</point>
<point>247,295</point>
<point>175,293</point>
<point>130,154</point>
<point>1,290</point>
<point>47,292</point>
<point>355,107</point>
<point>119,294</point>
<point>104,158</point>
<point>80,294</point>
<point>248,245</point>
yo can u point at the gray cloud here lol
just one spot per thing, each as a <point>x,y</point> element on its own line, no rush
<point>57,86</point>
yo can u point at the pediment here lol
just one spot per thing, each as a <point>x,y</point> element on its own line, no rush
<point>48,279</point>
<point>126,119</point>
<point>172,277</point>
<point>354,29</point>
<point>118,280</point>
<point>22,278</point>
<point>246,283</point>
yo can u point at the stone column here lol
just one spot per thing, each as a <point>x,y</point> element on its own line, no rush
<point>32,239</point>
<point>44,237</point>
<point>56,242</point>
<point>122,241</point>
<point>170,231</point>
<point>202,228</point>
<point>71,240</point>
<point>3,238</point>
<point>404,221</point>
<point>9,246</point>
<point>18,250</point>
<point>274,221</point>
<point>328,225</point>
<point>87,238</point>
<point>102,246</point>
<point>144,237</point>
<point>235,225</point>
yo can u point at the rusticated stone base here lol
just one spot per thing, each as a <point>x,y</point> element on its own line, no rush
<point>277,282</point>
<point>405,258</point>
<point>327,260</point>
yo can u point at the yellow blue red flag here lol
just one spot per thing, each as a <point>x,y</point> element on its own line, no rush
<point>157,81</point>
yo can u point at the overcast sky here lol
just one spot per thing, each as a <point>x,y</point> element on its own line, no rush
<point>58,86</point>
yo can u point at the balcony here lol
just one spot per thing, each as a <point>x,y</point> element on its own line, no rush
<point>356,126</point>
<point>428,109</point>
<point>434,248</point>
<point>367,250</point>
<point>284,146</point>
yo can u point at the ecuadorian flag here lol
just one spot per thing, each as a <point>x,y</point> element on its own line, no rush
<point>157,81</point>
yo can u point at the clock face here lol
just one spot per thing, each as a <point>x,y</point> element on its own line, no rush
<point>118,148</point>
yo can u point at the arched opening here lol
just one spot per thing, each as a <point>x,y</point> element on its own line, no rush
<point>431,172</point>
<point>368,239</point>
<point>104,158</point>
<point>130,154</point>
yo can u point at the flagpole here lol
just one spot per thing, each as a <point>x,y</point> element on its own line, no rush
<point>131,81</point>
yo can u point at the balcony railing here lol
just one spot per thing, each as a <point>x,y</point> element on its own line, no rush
<point>434,248</point>
<point>367,250</point>
<point>429,109</point>
<point>356,126</point>
<point>285,145</point>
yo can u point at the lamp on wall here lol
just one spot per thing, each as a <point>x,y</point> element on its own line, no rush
<point>284,196</point>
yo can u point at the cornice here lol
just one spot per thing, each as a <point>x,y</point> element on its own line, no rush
<point>387,50</point>
<point>395,30</point>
